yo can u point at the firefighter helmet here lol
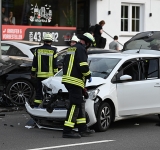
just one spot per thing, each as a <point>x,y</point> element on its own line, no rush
<point>74,38</point>
<point>48,37</point>
<point>87,37</point>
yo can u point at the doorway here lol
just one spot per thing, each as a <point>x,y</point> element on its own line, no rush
<point>83,9</point>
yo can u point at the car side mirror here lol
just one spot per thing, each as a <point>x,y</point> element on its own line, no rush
<point>125,77</point>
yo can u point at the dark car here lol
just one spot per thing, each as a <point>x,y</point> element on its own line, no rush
<point>15,79</point>
<point>144,42</point>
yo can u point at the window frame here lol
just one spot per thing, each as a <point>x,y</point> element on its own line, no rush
<point>141,18</point>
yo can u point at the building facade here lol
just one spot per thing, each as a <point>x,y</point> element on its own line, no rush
<point>63,18</point>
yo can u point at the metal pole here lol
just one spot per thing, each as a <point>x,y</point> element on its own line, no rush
<point>0,27</point>
<point>111,37</point>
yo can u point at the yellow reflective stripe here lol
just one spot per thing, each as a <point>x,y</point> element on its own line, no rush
<point>45,52</point>
<point>73,80</point>
<point>44,74</point>
<point>50,64</point>
<point>39,63</point>
<point>70,65</point>
<point>38,101</point>
<point>81,120</point>
<point>86,74</point>
<point>33,69</point>
<point>71,113</point>
<point>55,70</point>
<point>55,55</point>
<point>69,124</point>
<point>83,64</point>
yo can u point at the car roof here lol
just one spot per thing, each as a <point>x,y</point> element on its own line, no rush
<point>121,55</point>
<point>93,51</point>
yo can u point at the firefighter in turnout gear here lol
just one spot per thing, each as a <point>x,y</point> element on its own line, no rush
<point>44,65</point>
<point>75,73</point>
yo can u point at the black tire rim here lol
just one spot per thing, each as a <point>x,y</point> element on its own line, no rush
<point>105,117</point>
<point>19,92</point>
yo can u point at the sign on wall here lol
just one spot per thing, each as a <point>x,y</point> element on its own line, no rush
<point>43,14</point>
<point>61,35</point>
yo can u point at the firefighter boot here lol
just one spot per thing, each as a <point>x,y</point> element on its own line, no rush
<point>86,133</point>
<point>71,134</point>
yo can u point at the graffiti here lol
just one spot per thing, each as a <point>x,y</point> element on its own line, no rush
<point>43,14</point>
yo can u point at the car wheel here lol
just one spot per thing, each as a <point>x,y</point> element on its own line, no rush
<point>19,91</point>
<point>104,117</point>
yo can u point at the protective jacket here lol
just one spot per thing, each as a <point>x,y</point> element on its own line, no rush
<point>75,66</point>
<point>44,62</point>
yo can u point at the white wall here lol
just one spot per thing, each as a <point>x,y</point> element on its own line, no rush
<point>113,22</point>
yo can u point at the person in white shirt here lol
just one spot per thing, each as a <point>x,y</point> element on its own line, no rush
<point>12,19</point>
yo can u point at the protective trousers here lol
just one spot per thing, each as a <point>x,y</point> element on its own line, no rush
<point>76,111</point>
<point>39,96</point>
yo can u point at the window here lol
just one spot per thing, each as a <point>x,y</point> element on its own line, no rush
<point>139,69</point>
<point>131,68</point>
<point>130,18</point>
<point>150,68</point>
<point>40,12</point>
<point>11,50</point>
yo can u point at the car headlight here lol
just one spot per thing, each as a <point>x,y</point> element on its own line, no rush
<point>93,93</point>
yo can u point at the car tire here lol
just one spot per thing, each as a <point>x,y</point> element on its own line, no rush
<point>104,117</point>
<point>19,91</point>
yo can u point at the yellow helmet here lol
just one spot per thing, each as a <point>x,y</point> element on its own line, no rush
<point>48,37</point>
<point>87,37</point>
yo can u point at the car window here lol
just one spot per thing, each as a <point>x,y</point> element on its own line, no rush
<point>151,68</point>
<point>131,68</point>
<point>4,48</point>
<point>99,67</point>
<point>11,50</point>
<point>102,67</point>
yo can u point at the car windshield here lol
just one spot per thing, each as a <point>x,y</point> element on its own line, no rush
<point>144,40</point>
<point>99,67</point>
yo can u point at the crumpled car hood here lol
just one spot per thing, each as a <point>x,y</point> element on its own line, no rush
<point>55,84</point>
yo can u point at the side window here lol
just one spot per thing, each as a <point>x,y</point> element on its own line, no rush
<point>130,68</point>
<point>151,68</point>
<point>4,48</point>
<point>14,51</point>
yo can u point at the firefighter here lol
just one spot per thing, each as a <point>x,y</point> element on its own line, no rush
<point>74,40</point>
<point>44,65</point>
<point>75,73</point>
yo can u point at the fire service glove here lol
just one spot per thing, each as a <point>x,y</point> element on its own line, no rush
<point>90,79</point>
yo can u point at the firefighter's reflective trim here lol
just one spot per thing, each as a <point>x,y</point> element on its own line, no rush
<point>73,80</point>
<point>45,52</point>
<point>71,113</point>
<point>70,65</point>
<point>83,63</point>
<point>72,53</point>
<point>55,55</point>
<point>55,70</point>
<point>50,64</point>
<point>81,120</point>
<point>86,74</point>
<point>33,69</point>
<point>38,101</point>
<point>44,74</point>
<point>69,124</point>
<point>39,63</point>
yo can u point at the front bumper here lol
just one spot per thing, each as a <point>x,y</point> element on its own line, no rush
<point>59,114</point>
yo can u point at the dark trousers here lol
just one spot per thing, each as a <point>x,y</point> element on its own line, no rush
<point>98,39</point>
<point>76,101</point>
